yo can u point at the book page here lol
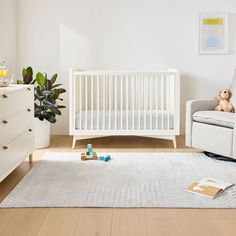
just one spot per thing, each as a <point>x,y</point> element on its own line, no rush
<point>214,183</point>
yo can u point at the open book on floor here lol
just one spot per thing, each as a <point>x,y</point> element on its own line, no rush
<point>208,187</point>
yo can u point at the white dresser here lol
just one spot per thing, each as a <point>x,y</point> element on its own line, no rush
<point>16,126</point>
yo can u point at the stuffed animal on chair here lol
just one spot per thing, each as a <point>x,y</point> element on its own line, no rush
<point>224,103</point>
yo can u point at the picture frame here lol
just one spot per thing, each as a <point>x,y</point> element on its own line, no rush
<point>213,33</point>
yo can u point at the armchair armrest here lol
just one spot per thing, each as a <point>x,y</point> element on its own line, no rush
<point>192,107</point>
<point>234,138</point>
<point>200,105</point>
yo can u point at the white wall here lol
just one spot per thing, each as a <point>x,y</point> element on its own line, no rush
<point>123,35</point>
<point>8,32</point>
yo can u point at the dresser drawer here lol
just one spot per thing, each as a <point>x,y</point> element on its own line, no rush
<point>13,126</point>
<point>11,102</point>
<point>13,153</point>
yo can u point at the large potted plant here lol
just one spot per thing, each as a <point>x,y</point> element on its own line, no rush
<point>46,108</point>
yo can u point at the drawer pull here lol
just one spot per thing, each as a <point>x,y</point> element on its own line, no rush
<point>4,96</point>
<point>29,110</point>
<point>5,147</point>
<point>4,121</point>
<point>30,130</point>
<point>29,89</point>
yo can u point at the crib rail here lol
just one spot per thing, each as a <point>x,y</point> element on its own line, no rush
<point>124,103</point>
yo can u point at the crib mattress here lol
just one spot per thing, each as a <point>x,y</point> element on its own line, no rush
<point>155,120</point>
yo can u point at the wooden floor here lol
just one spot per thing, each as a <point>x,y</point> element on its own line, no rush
<point>108,221</point>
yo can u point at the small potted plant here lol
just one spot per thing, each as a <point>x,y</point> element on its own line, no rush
<point>46,108</point>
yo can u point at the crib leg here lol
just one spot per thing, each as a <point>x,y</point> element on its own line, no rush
<point>174,142</point>
<point>74,142</point>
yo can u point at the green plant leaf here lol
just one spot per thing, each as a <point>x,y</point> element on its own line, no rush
<point>56,85</point>
<point>27,78</point>
<point>61,90</point>
<point>55,110</point>
<point>24,72</point>
<point>39,116</point>
<point>50,116</point>
<point>55,94</point>
<point>51,119</point>
<point>29,70</point>
<point>40,78</point>
<point>48,84</point>
<point>54,78</point>
<point>48,104</point>
<point>51,113</point>
<point>38,109</point>
<point>27,74</point>
<point>61,106</point>
<point>39,95</point>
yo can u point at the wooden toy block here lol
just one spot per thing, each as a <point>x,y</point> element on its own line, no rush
<point>85,157</point>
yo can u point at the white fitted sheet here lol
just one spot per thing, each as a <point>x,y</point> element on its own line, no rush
<point>159,120</point>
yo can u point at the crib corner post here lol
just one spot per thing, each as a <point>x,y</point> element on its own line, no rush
<point>174,142</point>
<point>74,142</point>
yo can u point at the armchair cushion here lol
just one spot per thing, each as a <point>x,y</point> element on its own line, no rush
<point>222,119</point>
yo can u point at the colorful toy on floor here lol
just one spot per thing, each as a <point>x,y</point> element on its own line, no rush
<point>105,158</point>
<point>89,154</point>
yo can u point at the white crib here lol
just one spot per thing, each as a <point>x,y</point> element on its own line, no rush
<point>106,103</point>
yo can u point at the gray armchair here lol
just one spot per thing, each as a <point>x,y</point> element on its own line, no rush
<point>211,130</point>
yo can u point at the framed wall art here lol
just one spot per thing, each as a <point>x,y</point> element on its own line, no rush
<point>213,33</point>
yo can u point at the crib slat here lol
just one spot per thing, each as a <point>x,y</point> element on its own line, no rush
<point>156,100</point>
<point>116,88</point>
<point>139,103</point>
<point>121,102</point>
<point>133,92</point>
<point>144,77</point>
<point>162,102</point>
<point>127,102</point>
<point>104,100</point>
<point>150,101</point>
<point>80,102</point>
<point>110,98</point>
<point>92,95</point>
<point>86,102</point>
<point>98,98</point>
<point>168,101</point>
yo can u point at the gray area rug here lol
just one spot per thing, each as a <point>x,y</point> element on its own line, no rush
<point>128,180</point>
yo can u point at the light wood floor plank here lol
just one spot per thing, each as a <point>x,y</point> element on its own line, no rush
<point>25,222</point>
<point>59,222</point>
<point>5,216</point>
<point>163,222</point>
<point>128,222</point>
<point>16,224</point>
<point>199,222</point>
<point>94,222</point>
<point>224,221</point>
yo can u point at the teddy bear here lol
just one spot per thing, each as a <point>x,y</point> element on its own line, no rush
<point>224,103</point>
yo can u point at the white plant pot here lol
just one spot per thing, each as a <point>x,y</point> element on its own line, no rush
<point>41,133</point>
